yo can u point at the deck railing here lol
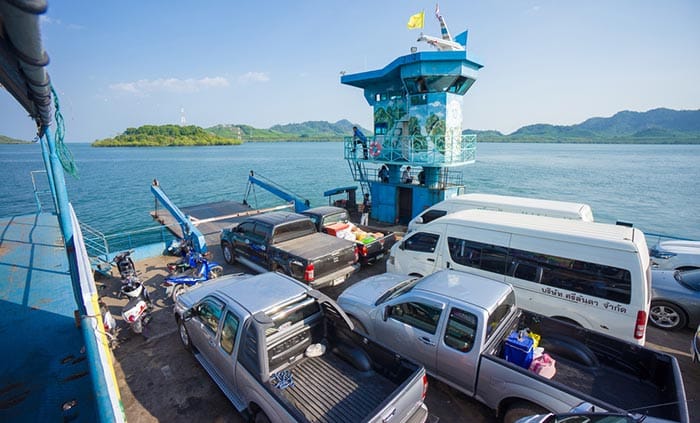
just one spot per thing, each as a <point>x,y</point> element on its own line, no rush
<point>435,151</point>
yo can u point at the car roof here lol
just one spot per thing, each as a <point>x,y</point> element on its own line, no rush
<point>473,289</point>
<point>275,218</point>
<point>325,210</point>
<point>254,293</point>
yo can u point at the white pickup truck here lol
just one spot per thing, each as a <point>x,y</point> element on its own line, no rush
<point>283,352</point>
<point>456,325</point>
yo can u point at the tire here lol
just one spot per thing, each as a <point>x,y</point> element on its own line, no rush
<point>667,316</point>
<point>215,272</point>
<point>184,335</point>
<point>359,327</point>
<point>261,417</point>
<point>228,253</point>
<point>177,291</point>
<point>521,409</point>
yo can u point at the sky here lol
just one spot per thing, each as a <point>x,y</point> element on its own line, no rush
<point>121,64</point>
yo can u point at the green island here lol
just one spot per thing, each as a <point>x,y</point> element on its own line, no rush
<point>8,140</point>
<point>165,136</point>
<point>657,126</point>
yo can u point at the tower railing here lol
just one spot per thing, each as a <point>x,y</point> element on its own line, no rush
<point>434,151</point>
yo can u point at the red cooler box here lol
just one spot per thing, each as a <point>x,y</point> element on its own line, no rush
<point>335,228</point>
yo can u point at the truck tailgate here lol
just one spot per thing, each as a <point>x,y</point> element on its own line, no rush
<point>327,252</point>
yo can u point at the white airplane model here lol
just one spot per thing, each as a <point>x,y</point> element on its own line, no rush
<point>445,43</point>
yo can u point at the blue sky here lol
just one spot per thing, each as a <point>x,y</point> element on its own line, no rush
<point>120,64</point>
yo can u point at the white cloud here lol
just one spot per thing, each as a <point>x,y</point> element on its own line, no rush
<point>253,77</point>
<point>171,85</point>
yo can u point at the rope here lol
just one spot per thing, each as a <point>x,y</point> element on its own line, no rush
<point>64,154</point>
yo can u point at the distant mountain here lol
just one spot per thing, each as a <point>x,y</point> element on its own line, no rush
<point>8,140</point>
<point>305,131</point>
<point>663,126</point>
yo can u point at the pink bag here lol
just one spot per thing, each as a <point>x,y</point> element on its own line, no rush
<point>544,365</point>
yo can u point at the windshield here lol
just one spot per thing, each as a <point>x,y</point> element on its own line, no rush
<point>688,278</point>
<point>397,290</point>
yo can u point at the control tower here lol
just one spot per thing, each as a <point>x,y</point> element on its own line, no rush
<point>417,104</point>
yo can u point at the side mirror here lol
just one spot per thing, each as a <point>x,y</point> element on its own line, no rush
<point>187,315</point>
<point>419,220</point>
<point>401,246</point>
<point>386,311</point>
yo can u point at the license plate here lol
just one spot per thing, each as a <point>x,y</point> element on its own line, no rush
<point>380,256</point>
<point>338,281</point>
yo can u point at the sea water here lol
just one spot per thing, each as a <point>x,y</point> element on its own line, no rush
<point>654,187</point>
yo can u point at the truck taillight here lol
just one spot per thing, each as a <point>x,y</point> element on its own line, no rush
<point>309,273</point>
<point>641,324</point>
<point>425,387</point>
<point>363,250</point>
<point>357,254</point>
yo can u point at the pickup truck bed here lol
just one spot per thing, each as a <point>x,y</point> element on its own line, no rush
<point>611,373</point>
<point>328,389</point>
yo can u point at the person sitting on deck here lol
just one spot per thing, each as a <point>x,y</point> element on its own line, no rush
<point>359,138</point>
<point>384,174</point>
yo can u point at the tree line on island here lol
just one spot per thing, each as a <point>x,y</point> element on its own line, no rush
<point>658,126</point>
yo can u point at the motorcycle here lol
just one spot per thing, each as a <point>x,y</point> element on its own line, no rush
<point>204,270</point>
<point>189,261</point>
<point>125,265</point>
<point>136,312</point>
<point>179,247</point>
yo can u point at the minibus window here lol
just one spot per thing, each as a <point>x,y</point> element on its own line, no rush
<point>491,258</point>
<point>431,215</point>
<point>422,242</point>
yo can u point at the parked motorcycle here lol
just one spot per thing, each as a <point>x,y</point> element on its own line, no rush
<point>125,265</point>
<point>137,311</point>
<point>190,261</point>
<point>179,247</point>
<point>205,270</point>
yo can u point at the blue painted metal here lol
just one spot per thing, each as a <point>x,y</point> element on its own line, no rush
<point>190,231</point>
<point>300,204</point>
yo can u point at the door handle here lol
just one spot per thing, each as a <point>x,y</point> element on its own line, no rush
<point>431,259</point>
<point>426,341</point>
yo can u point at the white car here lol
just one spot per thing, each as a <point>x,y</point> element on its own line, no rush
<point>675,255</point>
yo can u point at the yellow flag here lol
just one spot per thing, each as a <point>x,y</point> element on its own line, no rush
<point>416,21</point>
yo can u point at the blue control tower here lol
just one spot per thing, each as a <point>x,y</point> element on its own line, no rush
<point>417,103</point>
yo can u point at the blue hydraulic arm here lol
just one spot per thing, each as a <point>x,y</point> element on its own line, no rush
<point>300,204</point>
<point>189,231</point>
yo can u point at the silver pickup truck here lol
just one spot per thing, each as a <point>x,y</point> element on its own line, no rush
<point>457,324</point>
<point>283,352</point>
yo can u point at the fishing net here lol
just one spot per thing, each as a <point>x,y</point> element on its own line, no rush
<point>64,154</point>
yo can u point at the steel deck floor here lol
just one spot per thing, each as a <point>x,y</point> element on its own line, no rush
<point>43,362</point>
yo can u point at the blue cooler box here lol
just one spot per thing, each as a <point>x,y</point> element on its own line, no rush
<point>518,349</point>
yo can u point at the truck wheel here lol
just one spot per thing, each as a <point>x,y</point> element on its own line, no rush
<point>228,253</point>
<point>184,335</point>
<point>215,272</point>
<point>521,409</point>
<point>261,417</point>
<point>668,316</point>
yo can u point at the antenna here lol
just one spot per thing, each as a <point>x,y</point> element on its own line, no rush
<point>183,121</point>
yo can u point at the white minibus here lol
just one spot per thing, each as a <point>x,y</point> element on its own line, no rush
<point>592,274</point>
<point>562,209</point>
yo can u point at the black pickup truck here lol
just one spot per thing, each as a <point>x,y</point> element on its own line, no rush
<point>289,243</point>
<point>373,243</point>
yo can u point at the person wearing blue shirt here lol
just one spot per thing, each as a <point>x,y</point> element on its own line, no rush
<point>359,138</point>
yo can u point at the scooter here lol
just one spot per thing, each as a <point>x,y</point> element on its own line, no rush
<point>125,265</point>
<point>189,261</point>
<point>205,270</point>
<point>137,311</point>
